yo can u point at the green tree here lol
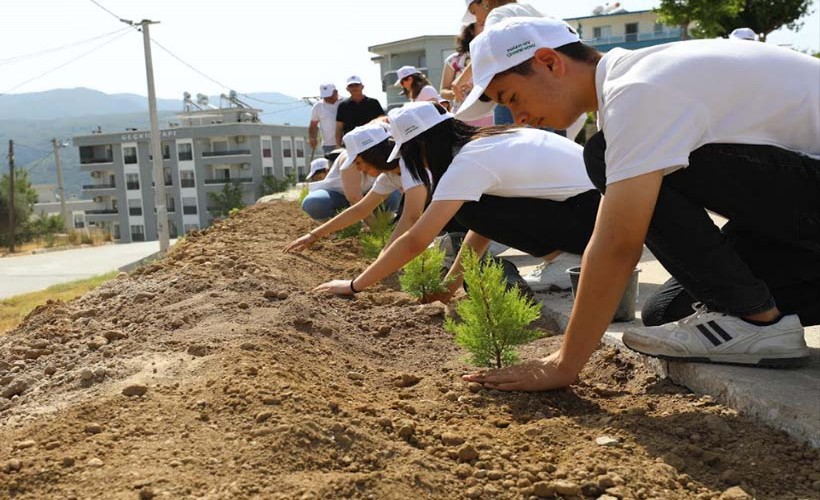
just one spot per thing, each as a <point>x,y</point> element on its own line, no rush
<point>421,277</point>
<point>707,14</point>
<point>272,185</point>
<point>380,226</point>
<point>494,319</point>
<point>229,199</point>
<point>765,16</point>
<point>24,199</point>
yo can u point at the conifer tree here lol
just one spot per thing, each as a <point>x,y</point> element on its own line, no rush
<point>493,319</point>
<point>421,277</point>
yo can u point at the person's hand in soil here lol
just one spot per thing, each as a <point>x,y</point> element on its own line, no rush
<point>336,287</point>
<point>533,376</point>
<point>300,244</point>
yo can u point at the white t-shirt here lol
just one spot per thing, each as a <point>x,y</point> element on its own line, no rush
<point>428,93</point>
<point>657,105</point>
<point>526,163</point>
<point>333,180</point>
<point>511,10</point>
<point>388,182</point>
<point>325,114</point>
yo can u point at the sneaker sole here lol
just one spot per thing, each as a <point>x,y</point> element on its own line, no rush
<point>793,360</point>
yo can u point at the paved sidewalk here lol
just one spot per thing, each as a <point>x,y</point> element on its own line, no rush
<point>30,273</point>
<point>788,400</point>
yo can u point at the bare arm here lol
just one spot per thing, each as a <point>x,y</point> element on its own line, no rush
<point>446,87</point>
<point>352,185</point>
<point>461,86</point>
<point>614,250</point>
<point>402,251</point>
<point>351,215</point>
<point>340,127</point>
<point>313,133</point>
<point>414,199</point>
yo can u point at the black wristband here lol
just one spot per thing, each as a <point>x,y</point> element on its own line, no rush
<point>351,286</point>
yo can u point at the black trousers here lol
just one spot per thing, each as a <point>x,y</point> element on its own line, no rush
<point>767,254</point>
<point>536,226</point>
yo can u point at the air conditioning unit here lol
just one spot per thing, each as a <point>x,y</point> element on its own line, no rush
<point>95,174</point>
<point>240,138</point>
<point>98,199</point>
<point>245,166</point>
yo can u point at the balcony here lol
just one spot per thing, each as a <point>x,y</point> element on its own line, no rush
<point>132,186</point>
<point>96,161</point>
<point>187,183</point>
<point>189,210</point>
<point>636,40</point>
<point>135,211</point>
<point>226,181</point>
<point>95,187</point>
<point>104,211</point>
<point>187,156</point>
<point>230,152</point>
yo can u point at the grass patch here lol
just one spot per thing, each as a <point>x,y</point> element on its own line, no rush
<point>14,309</point>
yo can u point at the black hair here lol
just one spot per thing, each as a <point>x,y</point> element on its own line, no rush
<point>439,145</point>
<point>331,157</point>
<point>419,82</point>
<point>577,51</point>
<point>377,155</point>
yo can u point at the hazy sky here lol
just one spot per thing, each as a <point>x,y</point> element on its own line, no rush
<point>247,45</point>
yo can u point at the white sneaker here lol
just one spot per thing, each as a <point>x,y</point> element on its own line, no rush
<point>719,338</point>
<point>553,275</point>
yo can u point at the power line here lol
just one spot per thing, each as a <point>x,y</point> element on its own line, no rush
<point>14,59</point>
<point>31,148</point>
<point>283,110</point>
<point>123,33</point>
<point>36,163</point>
<point>118,18</point>
<point>188,65</point>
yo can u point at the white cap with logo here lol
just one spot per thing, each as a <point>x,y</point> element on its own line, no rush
<point>403,73</point>
<point>505,45</point>
<point>317,165</point>
<point>468,16</point>
<point>411,120</point>
<point>362,138</point>
<point>326,90</point>
<point>743,34</point>
<point>353,79</point>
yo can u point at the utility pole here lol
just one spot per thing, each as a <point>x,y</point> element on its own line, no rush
<point>67,224</point>
<point>156,145</point>
<point>12,229</point>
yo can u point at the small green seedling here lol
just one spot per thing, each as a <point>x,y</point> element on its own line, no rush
<point>421,277</point>
<point>303,193</point>
<point>373,241</point>
<point>494,320</point>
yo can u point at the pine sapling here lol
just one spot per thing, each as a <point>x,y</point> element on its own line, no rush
<point>421,277</point>
<point>494,320</point>
<point>373,241</point>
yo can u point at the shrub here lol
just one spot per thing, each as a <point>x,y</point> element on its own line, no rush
<point>421,277</point>
<point>303,193</point>
<point>373,241</point>
<point>493,319</point>
<point>351,231</point>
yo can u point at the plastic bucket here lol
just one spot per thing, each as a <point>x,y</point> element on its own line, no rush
<point>626,309</point>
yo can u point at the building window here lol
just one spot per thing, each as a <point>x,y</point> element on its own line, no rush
<point>169,181</point>
<point>185,151</point>
<point>138,233</point>
<point>631,30</point>
<point>117,234</point>
<point>129,155</point>
<point>170,204</point>
<point>135,207</point>
<point>132,181</point>
<point>189,206</point>
<point>172,229</point>
<point>191,227</point>
<point>219,146</point>
<point>268,172</point>
<point>287,148</point>
<point>601,32</point>
<point>96,154</point>
<point>166,151</point>
<point>300,148</point>
<point>186,178</point>
<point>266,148</point>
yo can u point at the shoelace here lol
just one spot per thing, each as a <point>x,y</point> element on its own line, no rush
<point>539,269</point>
<point>700,311</point>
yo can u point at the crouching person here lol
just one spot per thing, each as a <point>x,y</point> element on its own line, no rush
<point>524,188</point>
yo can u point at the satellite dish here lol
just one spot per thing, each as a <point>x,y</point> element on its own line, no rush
<point>202,99</point>
<point>186,95</point>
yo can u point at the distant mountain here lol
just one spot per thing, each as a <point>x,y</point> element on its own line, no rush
<point>70,103</point>
<point>32,120</point>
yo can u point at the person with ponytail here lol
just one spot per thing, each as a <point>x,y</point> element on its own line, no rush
<point>368,149</point>
<point>522,187</point>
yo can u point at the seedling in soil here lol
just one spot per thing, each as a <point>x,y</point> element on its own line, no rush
<point>373,241</point>
<point>494,319</point>
<point>421,277</point>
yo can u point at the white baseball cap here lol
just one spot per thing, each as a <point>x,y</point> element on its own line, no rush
<point>403,73</point>
<point>411,120</point>
<point>743,34</point>
<point>505,45</point>
<point>326,90</point>
<point>468,16</point>
<point>353,79</point>
<point>360,139</point>
<point>317,165</point>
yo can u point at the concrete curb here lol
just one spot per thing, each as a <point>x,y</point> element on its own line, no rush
<point>787,400</point>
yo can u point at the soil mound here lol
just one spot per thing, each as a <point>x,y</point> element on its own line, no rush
<point>215,373</point>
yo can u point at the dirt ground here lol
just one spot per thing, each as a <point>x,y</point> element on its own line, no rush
<point>216,374</point>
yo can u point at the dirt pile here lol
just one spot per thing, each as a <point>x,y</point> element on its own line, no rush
<point>216,374</point>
